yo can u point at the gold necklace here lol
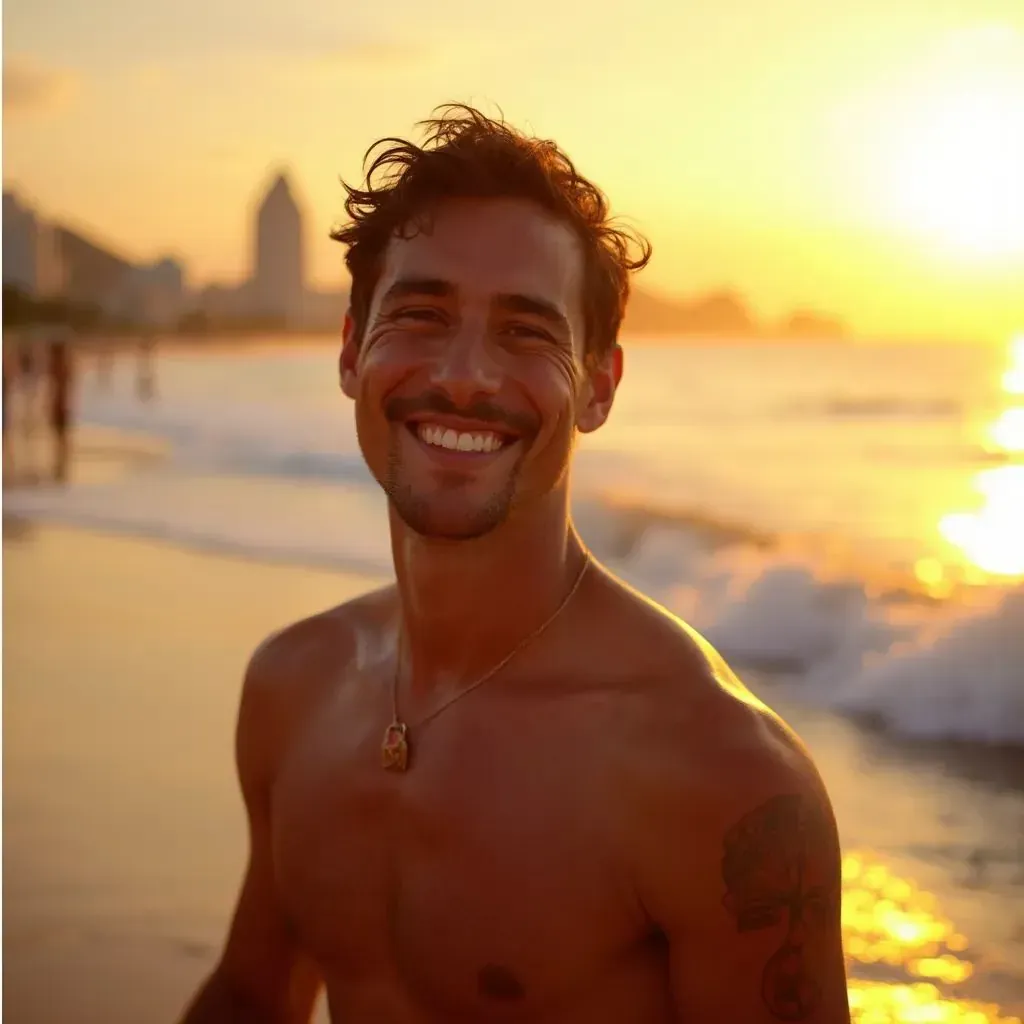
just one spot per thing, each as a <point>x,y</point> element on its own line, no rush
<point>395,749</point>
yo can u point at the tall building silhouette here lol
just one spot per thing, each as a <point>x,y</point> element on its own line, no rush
<point>34,260</point>
<point>278,279</point>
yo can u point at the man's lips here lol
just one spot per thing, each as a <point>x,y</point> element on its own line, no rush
<point>461,424</point>
<point>454,436</point>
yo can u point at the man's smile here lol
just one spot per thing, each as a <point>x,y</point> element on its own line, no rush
<point>454,438</point>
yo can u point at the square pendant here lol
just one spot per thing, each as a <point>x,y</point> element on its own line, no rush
<point>394,751</point>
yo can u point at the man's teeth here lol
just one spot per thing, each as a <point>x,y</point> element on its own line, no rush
<point>459,441</point>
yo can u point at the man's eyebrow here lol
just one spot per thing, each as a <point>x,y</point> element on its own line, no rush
<point>515,303</point>
<point>406,286</point>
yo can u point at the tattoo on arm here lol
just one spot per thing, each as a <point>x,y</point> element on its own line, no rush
<point>778,871</point>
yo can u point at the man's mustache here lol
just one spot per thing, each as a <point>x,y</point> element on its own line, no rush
<point>400,409</point>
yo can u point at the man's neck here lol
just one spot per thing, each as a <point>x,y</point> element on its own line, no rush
<point>465,605</point>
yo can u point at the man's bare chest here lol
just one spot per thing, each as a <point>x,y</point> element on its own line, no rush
<point>491,870</point>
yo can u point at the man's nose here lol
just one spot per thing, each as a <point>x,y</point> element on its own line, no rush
<point>466,368</point>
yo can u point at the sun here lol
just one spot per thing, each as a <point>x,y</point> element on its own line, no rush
<point>960,174</point>
<point>945,143</point>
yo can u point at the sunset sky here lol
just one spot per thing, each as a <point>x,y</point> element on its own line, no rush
<point>860,156</point>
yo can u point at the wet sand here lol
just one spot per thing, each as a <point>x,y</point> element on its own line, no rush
<point>124,833</point>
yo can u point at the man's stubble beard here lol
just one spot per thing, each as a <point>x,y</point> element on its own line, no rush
<point>414,511</point>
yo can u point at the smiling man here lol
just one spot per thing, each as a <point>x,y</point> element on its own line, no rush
<point>509,787</point>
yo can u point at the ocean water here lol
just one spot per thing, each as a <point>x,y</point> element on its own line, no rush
<point>850,516</point>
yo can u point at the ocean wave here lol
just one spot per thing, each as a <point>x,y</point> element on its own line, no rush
<point>961,679</point>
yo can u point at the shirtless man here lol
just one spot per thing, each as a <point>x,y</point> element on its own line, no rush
<point>510,788</point>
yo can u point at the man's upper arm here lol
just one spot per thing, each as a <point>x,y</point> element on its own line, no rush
<point>261,958</point>
<point>746,888</point>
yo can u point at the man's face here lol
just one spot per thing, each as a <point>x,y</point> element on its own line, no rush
<point>469,378</point>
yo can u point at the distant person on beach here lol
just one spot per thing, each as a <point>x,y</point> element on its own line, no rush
<point>10,375</point>
<point>60,381</point>
<point>27,371</point>
<point>510,787</point>
<point>20,401</point>
<point>145,385</point>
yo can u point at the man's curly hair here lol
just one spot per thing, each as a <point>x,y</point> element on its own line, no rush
<point>467,155</point>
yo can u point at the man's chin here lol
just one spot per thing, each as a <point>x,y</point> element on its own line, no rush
<point>449,524</point>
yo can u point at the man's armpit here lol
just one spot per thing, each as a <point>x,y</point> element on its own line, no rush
<point>780,867</point>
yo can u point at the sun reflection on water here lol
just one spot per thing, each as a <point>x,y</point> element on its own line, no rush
<point>1013,379</point>
<point>991,537</point>
<point>893,929</point>
<point>1008,431</point>
<point>879,1003</point>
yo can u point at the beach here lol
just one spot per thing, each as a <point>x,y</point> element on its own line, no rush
<point>197,525</point>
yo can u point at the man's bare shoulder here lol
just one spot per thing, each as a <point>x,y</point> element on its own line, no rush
<point>695,705</point>
<point>715,774</point>
<point>299,655</point>
<point>294,670</point>
<point>722,754</point>
<point>704,750</point>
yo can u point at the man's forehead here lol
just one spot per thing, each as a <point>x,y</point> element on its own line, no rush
<point>489,246</point>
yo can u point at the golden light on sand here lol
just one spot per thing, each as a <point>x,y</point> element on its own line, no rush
<point>992,538</point>
<point>889,924</point>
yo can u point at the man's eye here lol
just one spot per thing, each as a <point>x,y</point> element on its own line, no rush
<point>527,331</point>
<point>421,313</point>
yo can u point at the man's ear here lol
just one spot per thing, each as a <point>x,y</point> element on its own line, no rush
<point>349,356</point>
<point>602,376</point>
